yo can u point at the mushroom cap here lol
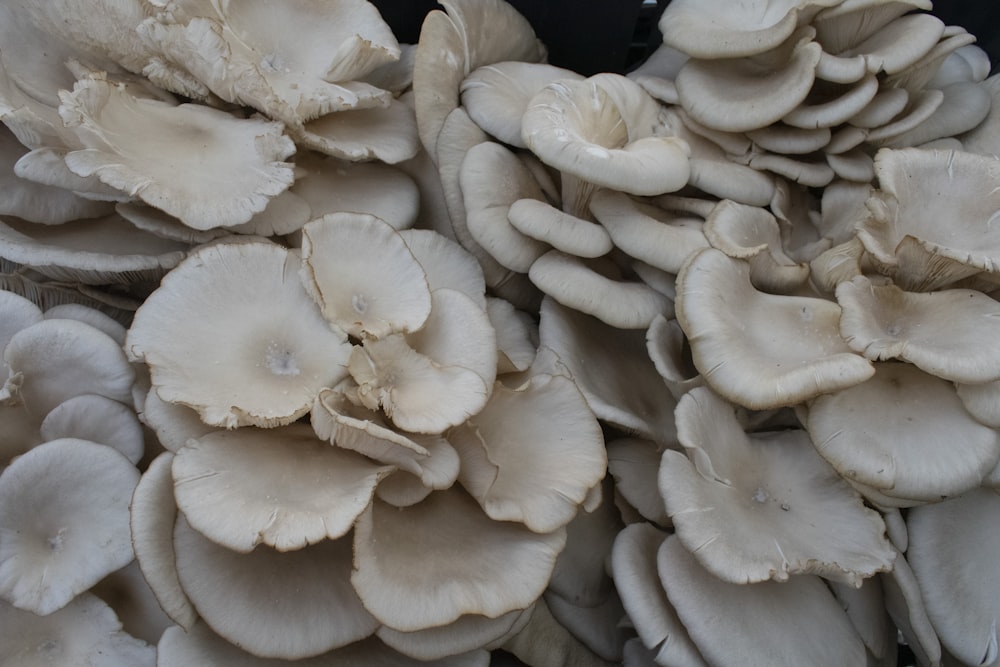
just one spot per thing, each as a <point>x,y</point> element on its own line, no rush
<point>787,351</point>
<point>277,356</point>
<point>576,127</point>
<point>84,632</point>
<point>386,133</point>
<point>94,251</point>
<point>948,333</point>
<point>798,620</point>
<point>532,453</point>
<point>226,485</point>
<point>468,563</point>
<point>905,434</point>
<point>183,159</point>
<point>951,550</point>
<point>98,419</point>
<point>290,605</point>
<point>57,545</point>
<point>54,360</point>
<point>752,508</point>
<point>575,236</point>
<point>468,633</point>
<point>363,276</point>
<point>446,263</point>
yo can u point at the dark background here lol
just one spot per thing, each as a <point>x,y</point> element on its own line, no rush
<point>590,36</point>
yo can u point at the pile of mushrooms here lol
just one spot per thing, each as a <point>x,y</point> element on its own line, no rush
<point>330,350</point>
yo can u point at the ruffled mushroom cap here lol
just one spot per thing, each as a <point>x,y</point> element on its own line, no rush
<point>905,435</point>
<point>949,333</point>
<point>55,360</point>
<point>917,190</point>
<point>796,622</point>
<point>790,350</point>
<point>387,133</point>
<point>717,29</point>
<point>952,552</point>
<point>752,508</point>
<point>469,563</point>
<point>57,545</point>
<point>226,486</point>
<point>84,632</point>
<point>290,605</point>
<point>295,63</point>
<point>363,276</point>
<point>496,96</point>
<point>268,370</point>
<point>434,378</point>
<point>94,251</point>
<point>126,139</point>
<point>576,127</point>
<point>532,453</point>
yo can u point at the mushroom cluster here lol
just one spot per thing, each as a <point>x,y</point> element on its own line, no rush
<point>318,347</point>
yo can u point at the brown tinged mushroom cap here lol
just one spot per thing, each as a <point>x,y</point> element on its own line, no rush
<point>752,508</point>
<point>905,434</point>
<point>290,605</point>
<point>226,486</point>
<point>787,351</point>
<point>57,545</point>
<point>84,632</point>
<point>576,127</point>
<point>202,165</point>
<point>268,370</point>
<point>948,333</point>
<point>363,276</point>
<point>468,563</point>
<point>952,552</point>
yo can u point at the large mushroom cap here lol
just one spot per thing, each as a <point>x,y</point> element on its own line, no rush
<point>234,334</point>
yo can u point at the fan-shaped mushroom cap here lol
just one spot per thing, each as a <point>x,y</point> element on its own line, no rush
<point>56,545</point>
<point>905,434</point>
<point>98,419</point>
<point>84,632</point>
<point>87,315</point>
<point>201,646</point>
<point>363,276</point>
<point>330,186</point>
<point>948,333</point>
<point>94,251</point>
<point>152,517</point>
<point>468,633</point>
<point>739,94</point>
<point>54,360</point>
<point>469,564</point>
<point>16,313</point>
<point>294,63</point>
<point>798,621</point>
<point>293,604</point>
<point>268,371</point>
<point>226,487</point>
<point>568,233</point>
<point>495,96</point>
<point>899,44</point>
<point>966,104</point>
<point>575,127</point>
<point>387,133</point>
<point>532,464</point>
<point>919,188</point>
<point>623,387</point>
<point>718,29</point>
<point>633,462</point>
<point>173,424</point>
<point>764,507</point>
<point>219,170</point>
<point>434,378</point>
<point>446,264</point>
<point>634,566</point>
<point>788,351</point>
<point>952,549</point>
